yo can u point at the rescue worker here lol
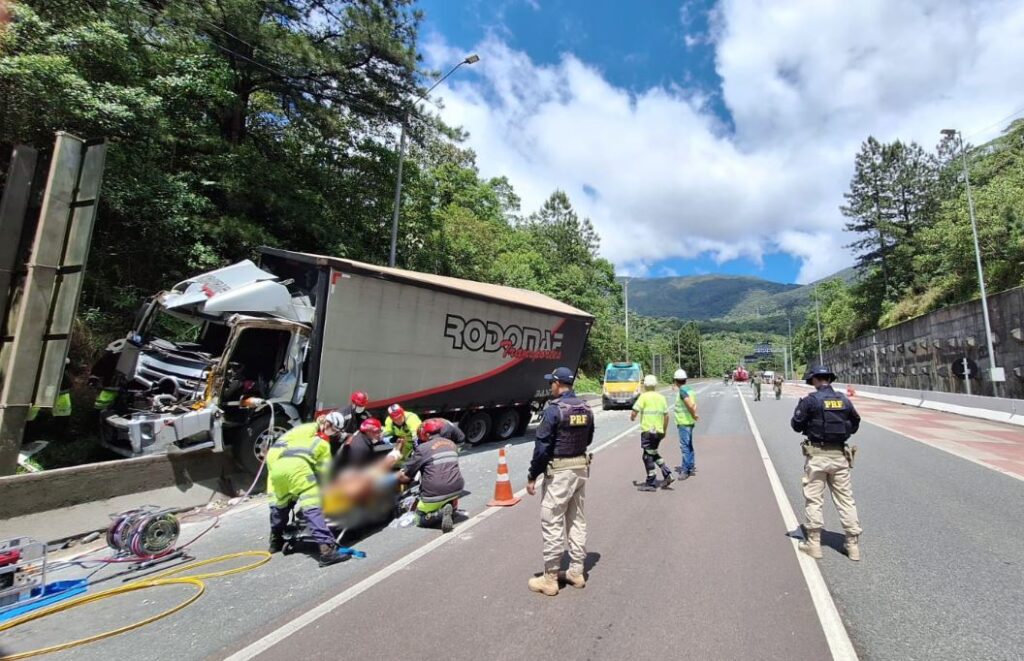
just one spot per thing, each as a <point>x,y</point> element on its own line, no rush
<point>777,386</point>
<point>401,426</point>
<point>358,450</point>
<point>448,429</point>
<point>653,411</point>
<point>296,464</point>
<point>436,459</point>
<point>686,418</point>
<point>355,413</point>
<point>827,419</point>
<point>560,455</point>
<point>755,380</point>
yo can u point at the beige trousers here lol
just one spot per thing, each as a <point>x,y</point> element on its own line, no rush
<point>831,470</point>
<point>562,518</point>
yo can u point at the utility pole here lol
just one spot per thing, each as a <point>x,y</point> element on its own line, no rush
<point>874,345</point>
<point>789,326</point>
<point>817,315</point>
<point>472,59</point>
<point>700,358</point>
<point>997,374</point>
<point>625,287</point>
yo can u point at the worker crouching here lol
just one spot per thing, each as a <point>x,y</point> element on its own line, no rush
<point>296,464</point>
<point>436,460</point>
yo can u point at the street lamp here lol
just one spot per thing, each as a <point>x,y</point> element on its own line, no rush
<point>995,373</point>
<point>472,59</point>
<point>817,315</point>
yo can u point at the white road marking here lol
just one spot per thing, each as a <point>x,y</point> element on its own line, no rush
<point>831,624</point>
<point>335,602</point>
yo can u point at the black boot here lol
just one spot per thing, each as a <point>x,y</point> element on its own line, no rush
<point>276,542</point>
<point>447,524</point>
<point>329,555</point>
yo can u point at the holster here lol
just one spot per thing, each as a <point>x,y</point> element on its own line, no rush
<point>850,451</point>
<point>806,448</point>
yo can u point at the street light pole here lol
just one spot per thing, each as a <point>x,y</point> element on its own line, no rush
<point>472,59</point>
<point>789,335</point>
<point>625,287</point>
<point>993,373</point>
<point>817,315</point>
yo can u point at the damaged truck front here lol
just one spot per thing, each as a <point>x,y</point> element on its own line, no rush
<point>208,363</point>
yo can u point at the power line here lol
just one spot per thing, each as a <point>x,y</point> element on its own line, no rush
<point>996,123</point>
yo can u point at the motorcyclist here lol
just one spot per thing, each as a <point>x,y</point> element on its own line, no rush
<point>296,464</point>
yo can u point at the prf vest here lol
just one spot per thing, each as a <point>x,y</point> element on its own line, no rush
<point>575,421</point>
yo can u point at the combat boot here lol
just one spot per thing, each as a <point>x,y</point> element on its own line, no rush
<point>276,543</point>
<point>545,584</point>
<point>811,544</point>
<point>852,547</point>
<point>575,580</point>
<point>329,555</point>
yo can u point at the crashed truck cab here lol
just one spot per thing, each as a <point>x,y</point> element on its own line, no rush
<point>216,355</point>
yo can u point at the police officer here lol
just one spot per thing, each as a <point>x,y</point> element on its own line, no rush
<point>827,419</point>
<point>560,455</point>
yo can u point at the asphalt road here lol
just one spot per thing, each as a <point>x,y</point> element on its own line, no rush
<point>942,575</point>
<point>703,570</point>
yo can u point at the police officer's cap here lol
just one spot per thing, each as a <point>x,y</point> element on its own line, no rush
<point>562,375</point>
<point>820,370</point>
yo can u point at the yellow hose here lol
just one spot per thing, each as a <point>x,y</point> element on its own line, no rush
<point>163,578</point>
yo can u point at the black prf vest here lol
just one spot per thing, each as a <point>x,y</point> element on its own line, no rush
<point>575,425</point>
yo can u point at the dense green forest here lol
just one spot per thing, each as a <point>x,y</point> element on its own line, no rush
<point>240,123</point>
<point>907,214</point>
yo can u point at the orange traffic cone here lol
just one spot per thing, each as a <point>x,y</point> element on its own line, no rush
<point>850,392</point>
<point>503,496</point>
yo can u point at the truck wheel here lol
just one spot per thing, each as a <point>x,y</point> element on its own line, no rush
<point>477,427</point>
<point>506,425</point>
<point>252,443</point>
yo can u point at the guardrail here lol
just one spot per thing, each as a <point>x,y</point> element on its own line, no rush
<point>996,409</point>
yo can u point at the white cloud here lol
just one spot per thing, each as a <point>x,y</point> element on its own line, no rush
<point>805,84</point>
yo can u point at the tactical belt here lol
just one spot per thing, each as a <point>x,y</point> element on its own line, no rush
<point>568,463</point>
<point>825,446</point>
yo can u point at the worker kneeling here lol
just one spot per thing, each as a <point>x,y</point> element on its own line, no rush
<point>296,463</point>
<point>436,459</point>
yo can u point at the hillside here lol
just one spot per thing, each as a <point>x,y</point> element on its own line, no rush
<point>726,298</point>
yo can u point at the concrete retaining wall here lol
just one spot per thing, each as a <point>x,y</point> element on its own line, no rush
<point>919,354</point>
<point>63,502</point>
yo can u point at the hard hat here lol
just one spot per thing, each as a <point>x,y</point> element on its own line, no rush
<point>431,427</point>
<point>396,412</point>
<point>359,398</point>
<point>336,419</point>
<point>820,370</point>
<point>650,381</point>
<point>370,425</point>
<point>680,375</point>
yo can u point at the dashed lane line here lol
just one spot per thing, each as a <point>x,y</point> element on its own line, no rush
<point>831,623</point>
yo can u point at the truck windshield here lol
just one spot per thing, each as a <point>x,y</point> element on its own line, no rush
<point>622,374</point>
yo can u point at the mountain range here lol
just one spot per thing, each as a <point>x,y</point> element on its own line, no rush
<point>732,299</point>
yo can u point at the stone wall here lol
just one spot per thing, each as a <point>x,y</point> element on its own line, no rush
<point>919,354</point>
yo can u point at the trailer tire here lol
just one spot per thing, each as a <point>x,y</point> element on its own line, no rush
<point>477,427</point>
<point>506,425</point>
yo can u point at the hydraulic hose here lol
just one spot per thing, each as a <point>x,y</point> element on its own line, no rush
<point>170,577</point>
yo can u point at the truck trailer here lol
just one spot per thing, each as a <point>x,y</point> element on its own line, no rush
<point>236,356</point>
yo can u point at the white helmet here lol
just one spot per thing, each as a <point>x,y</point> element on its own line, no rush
<point>680,375</point>
<point>336,419</point>
<point>650,381</point>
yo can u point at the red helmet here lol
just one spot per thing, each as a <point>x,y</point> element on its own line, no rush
<point>370,425</point>
<point>359,398</point>
<point>429,428</point>
<point>396,411</point>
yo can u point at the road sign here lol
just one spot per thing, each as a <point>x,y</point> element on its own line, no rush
<point>959,366</point>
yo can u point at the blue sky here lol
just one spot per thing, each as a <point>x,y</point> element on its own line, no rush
<point>715,136</point>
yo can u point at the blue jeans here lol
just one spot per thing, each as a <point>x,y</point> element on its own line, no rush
<point>686,447</point>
